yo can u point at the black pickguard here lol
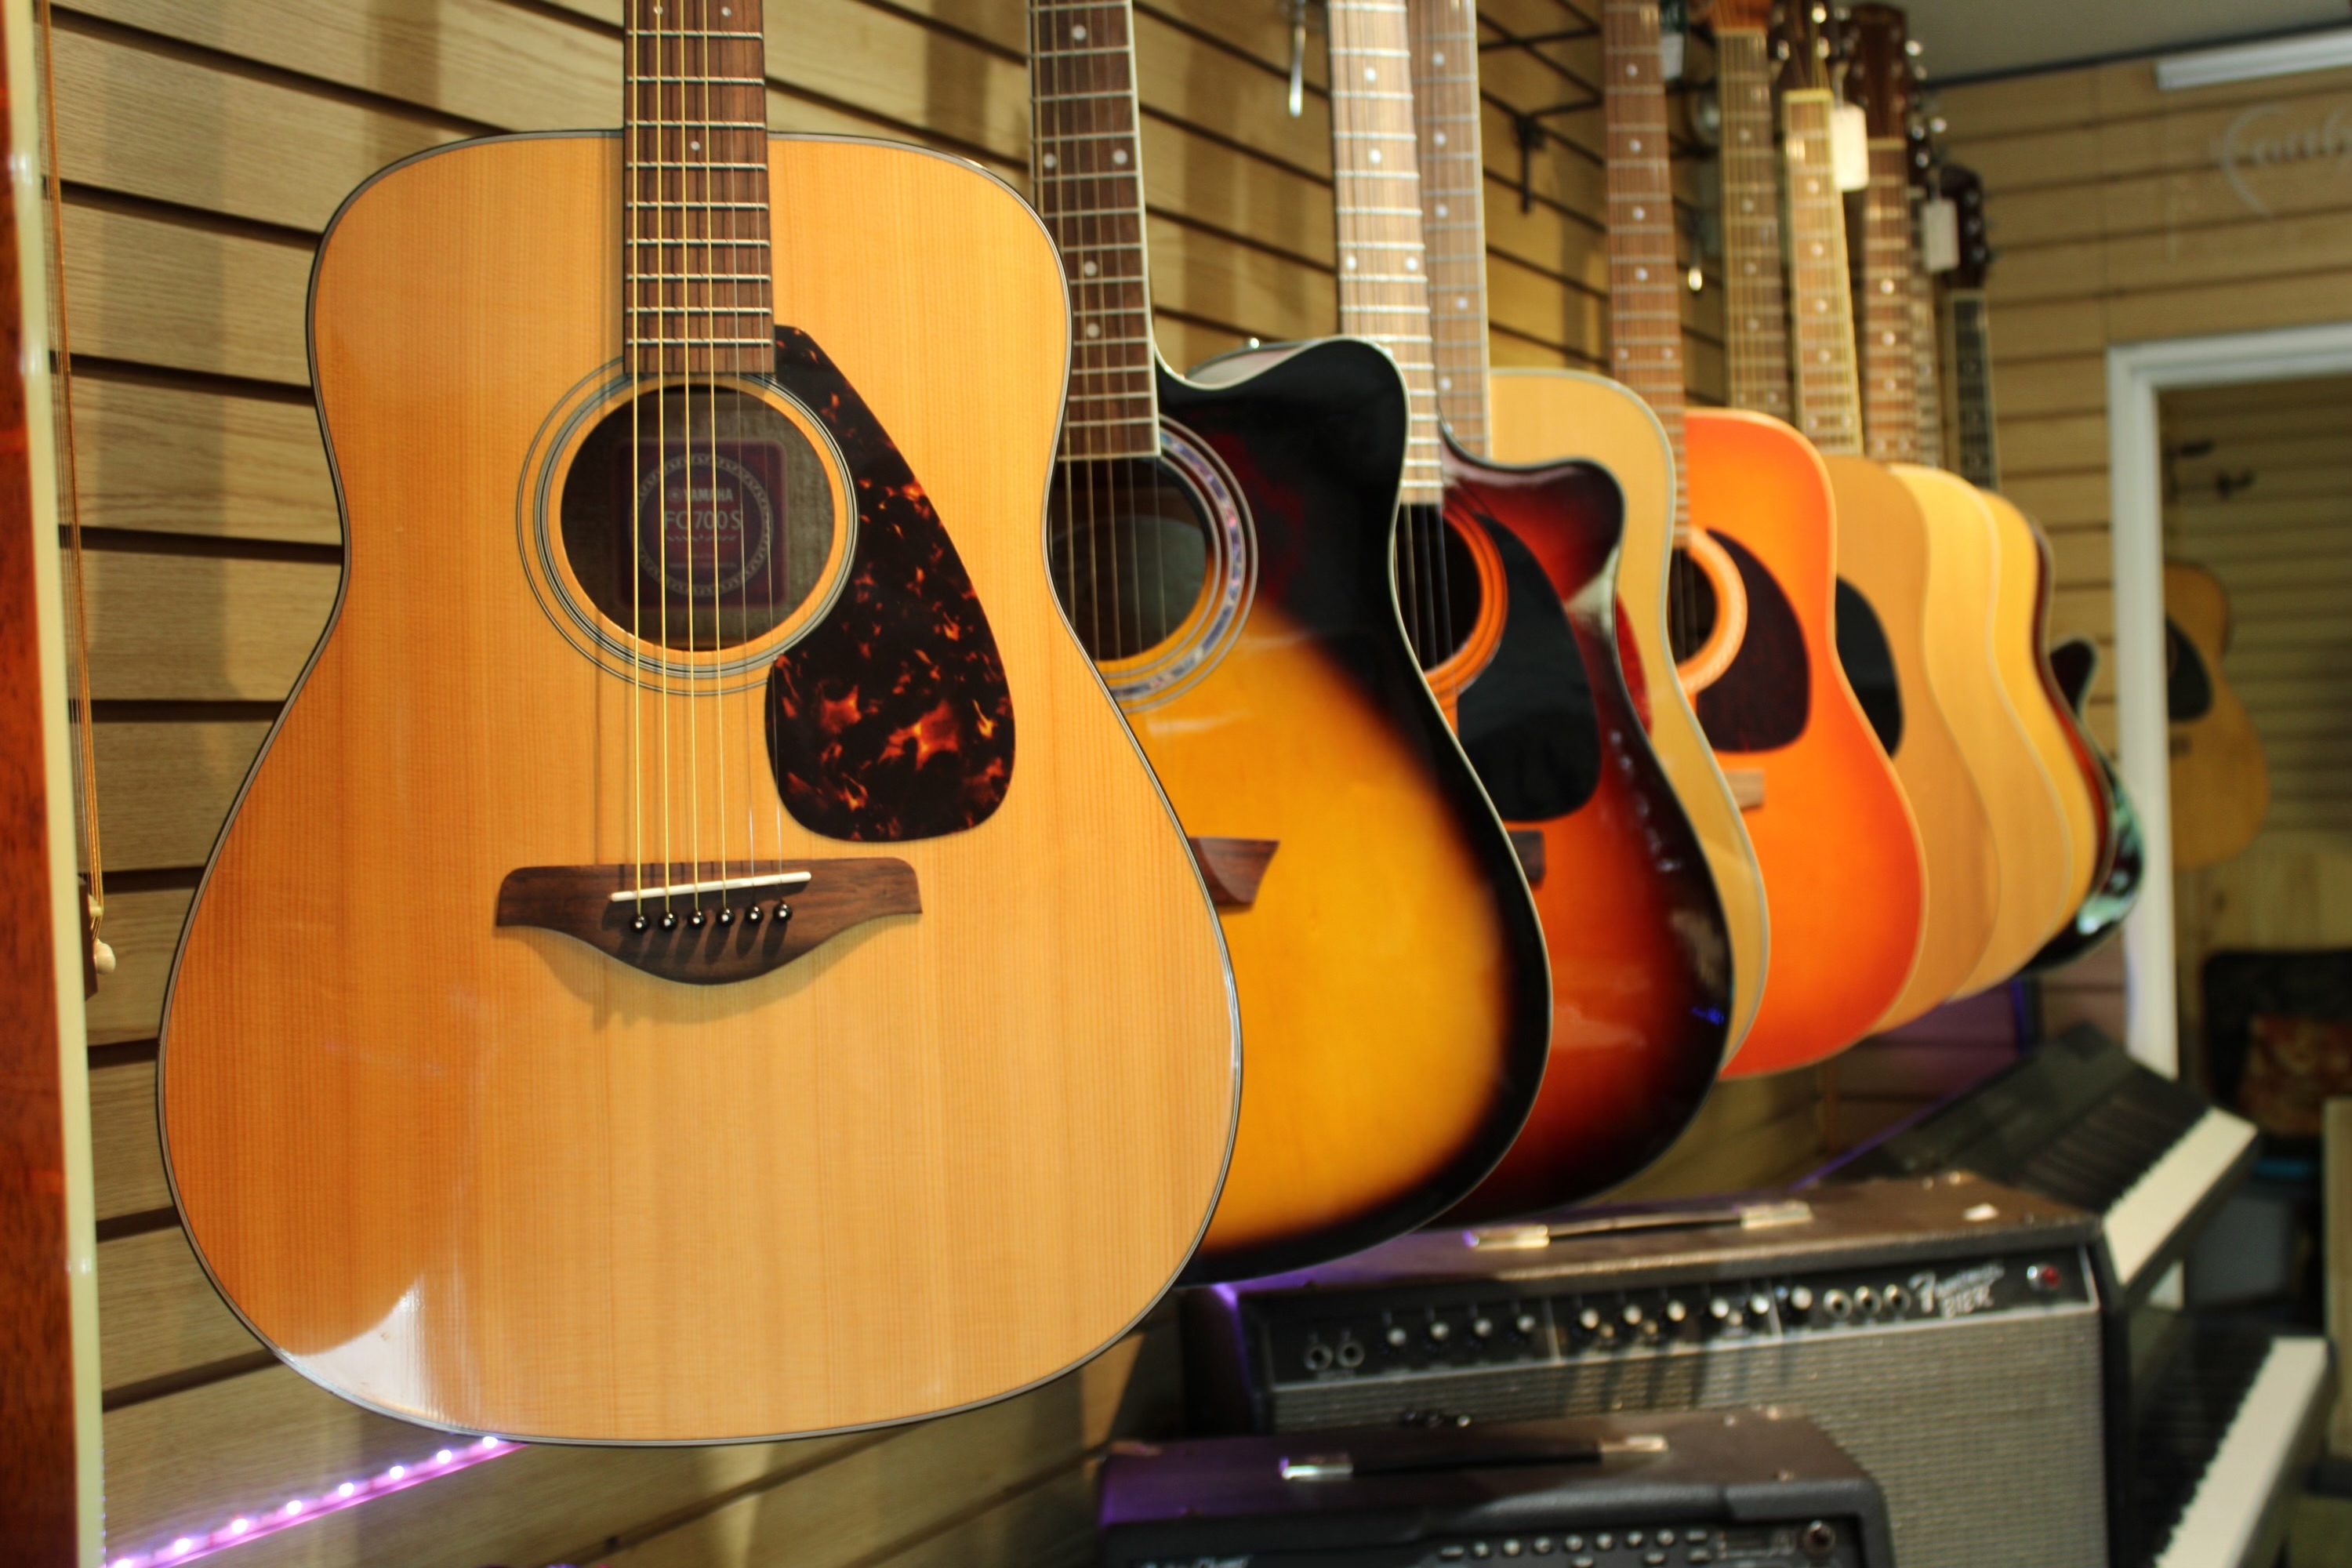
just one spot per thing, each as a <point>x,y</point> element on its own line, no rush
<point>1527,721</point>
<point>1869,663</point>
<point>1763,702</point>
<point>890,720</point>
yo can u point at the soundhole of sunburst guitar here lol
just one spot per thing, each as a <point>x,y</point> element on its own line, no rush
<point>1132,552</point>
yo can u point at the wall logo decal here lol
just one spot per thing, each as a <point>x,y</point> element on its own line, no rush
<point>2263,137</point>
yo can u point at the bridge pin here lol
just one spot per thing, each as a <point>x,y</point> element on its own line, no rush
<point>669,921</point>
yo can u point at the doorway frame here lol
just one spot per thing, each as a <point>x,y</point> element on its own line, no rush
<point>2136,375</point>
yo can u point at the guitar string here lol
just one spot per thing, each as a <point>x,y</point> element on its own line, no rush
<point>661,461</point>
<point>709,128</point>
<point>690,673</point>
<point>633,519</point>
<point>777,557</point>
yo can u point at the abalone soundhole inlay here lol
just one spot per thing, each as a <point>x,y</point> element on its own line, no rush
<point>889,719</point>
<point>1763,700</point>
<point>733,510</point>
<point>1130,551</point>
<point>1437,583</point>
<point>1528,722</point>
<point>1869,664</point>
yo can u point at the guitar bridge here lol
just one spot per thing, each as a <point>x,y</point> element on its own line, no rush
<point>709,925</point>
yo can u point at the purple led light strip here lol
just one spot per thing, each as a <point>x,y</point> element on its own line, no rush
<point>248,1528</point>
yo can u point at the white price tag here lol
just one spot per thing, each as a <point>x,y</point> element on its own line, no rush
<point>1939,234</point>
<point>1850,147</point>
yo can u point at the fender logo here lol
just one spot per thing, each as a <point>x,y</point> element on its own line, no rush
<point>2242,146</point>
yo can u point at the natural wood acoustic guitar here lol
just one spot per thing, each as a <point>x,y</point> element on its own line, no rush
<point>2221,781</point>
<point>1507,577</point>
<point>701,957</point>
<point>1224,551</point>
<point>1913,604</point>
<point>1751,607</point>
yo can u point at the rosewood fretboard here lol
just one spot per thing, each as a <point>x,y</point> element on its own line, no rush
<point>1453,211</point>
<point>1086,173</point>
<point>1821,301</point>
<point>1756,303</point>
<point>695,255</point>
<point>1645,321</point>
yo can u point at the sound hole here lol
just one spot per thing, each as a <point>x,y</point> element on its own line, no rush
<point>1130,551</point>
<point>1437,583</point>
<point>733,517</point>
<point>1690,607</point>
<point>1869,664</point>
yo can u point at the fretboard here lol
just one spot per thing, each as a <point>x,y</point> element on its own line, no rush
<point>1086,173</point>
<point>1645,329</point>
<point>1756,304</point>
<point>1890,366</point>
<point>1929,376</point>
<point>1383,283</point>
<point>1452,208</point>
<point>1822,303</point>
<point>699,295</point>
<point>1972,353</point>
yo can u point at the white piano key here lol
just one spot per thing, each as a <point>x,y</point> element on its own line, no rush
<point>2138,1222</point>
<point>2224,1516</point>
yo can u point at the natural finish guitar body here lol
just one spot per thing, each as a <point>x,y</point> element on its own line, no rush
<point>2029,827</point>
<point>489,1178</point>
<point>1544,415</point>
<point>1390,968</point>
<point>2020,640</point>
<point>1909,613</point>
<point>2221,781</point>
<point>1840,850</point>
<point>1641,967</point>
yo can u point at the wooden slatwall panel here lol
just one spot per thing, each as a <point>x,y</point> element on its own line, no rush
<point>204,147</point>
<point>2283,550</point>
<point>2115,223</point>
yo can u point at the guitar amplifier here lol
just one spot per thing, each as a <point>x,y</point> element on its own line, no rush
<point>1944,1331</point>
<point>1741,1489</point>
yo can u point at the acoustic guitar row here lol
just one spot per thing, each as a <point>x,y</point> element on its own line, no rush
<point>830,755</point>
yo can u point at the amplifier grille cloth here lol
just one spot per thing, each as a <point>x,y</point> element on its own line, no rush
<point>1985,1435</point>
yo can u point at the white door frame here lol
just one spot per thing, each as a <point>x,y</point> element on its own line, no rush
<point>2137,373</point>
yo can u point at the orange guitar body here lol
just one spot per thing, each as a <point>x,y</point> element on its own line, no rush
<point>1844,872</point>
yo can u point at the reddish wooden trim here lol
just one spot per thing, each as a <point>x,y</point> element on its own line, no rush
<point>38,1510</point>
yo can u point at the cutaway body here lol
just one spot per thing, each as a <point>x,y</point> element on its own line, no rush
<point>1544,415</point>
<point>2021,800</point>
<point>1641,964</point>
<point>486,1176</point>
<point>1901,599</point>
<point>1844,872</point>
<point>1390,968</point>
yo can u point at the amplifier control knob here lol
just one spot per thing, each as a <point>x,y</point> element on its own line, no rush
<point>1524,1323</point>
<point>1484,1328</point>
<point>1719,1309</point>
<point>1801,1298</point>
<point>1396,1336</point>
<point>1633,1314</point>
<point>1759,1305</point>
<point>1676,1312</point>
<point>1588,1320</point>
<point>1440,1331</point>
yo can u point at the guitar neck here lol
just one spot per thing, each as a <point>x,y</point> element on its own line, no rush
<point>1827,395</point>
<point>1890,366</point>
<point>1452,208</point>
<point>1756,303</point>
<point>1646,333</point>
<point>694,145</point>
<point>1970,349</point>
<point>1086,171</point>
<point>1383,277</point>
<point>1927,374</point>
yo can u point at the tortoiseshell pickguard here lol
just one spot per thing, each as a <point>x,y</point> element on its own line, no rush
<point>891,719</point>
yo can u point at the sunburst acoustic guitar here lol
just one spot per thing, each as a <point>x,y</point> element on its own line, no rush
<point>1224,551</point>
<point>1507,579</point>
<point>1751,619</point>
<point>701,957</point>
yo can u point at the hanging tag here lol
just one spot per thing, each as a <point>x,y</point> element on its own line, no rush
<point>1850,147</point>
<point>1939,233</point>
<point>1674,27</point>
<point>1297,13</point>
